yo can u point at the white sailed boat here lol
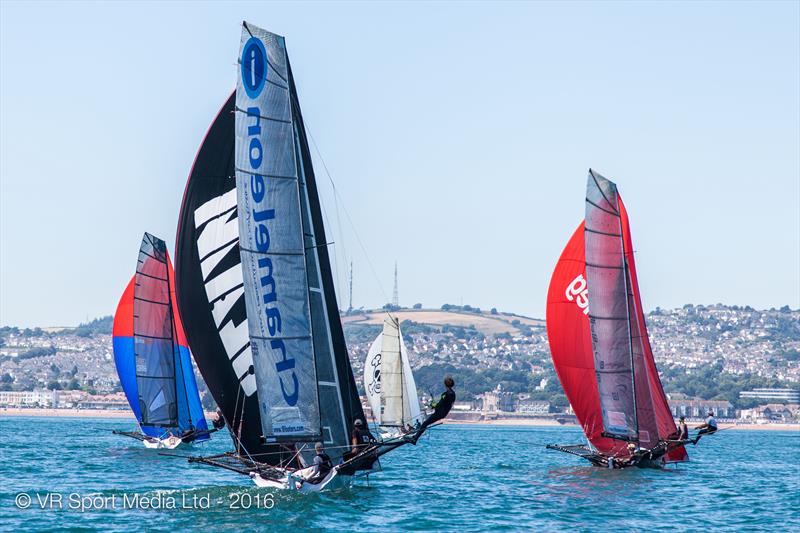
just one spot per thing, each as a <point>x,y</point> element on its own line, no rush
<point>389,383</point>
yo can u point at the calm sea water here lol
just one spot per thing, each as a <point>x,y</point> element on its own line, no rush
<point>462,478</point>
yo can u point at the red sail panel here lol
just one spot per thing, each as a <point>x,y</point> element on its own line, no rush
<point>180,336</point>
<point>570,342</point>
<point>663,416</point>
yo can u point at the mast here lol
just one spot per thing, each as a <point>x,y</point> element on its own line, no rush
<point>395,296</point>
<point>172,341</point>
<point>630,339</point>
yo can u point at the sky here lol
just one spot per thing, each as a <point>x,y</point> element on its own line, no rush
<point>458,137</point>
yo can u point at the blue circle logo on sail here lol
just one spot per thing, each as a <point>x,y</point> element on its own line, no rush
<point>254,67</point>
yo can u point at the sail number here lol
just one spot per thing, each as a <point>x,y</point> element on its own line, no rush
<point>578,292</point>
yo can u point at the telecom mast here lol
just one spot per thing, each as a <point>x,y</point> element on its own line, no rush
<point>350,306</point>
<point>395,297</point>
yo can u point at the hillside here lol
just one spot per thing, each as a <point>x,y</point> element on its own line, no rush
<point>487,323</point>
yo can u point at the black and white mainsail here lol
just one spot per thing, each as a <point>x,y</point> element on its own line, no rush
<point>306,387</point>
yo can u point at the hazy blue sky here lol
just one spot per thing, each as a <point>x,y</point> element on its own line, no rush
<point>459,137</point>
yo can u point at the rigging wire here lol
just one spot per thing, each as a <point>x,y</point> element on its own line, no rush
<point>346,212</point>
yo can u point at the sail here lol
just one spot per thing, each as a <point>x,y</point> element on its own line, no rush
<point>622,380</point>
<point>272,244</point>
<point>372,378</point>
<point>392,389</point>
<point>150,350</point>
<point>301,362</point>
<point>210,288</point>
<point>413,408</point>
<point>389,381</point>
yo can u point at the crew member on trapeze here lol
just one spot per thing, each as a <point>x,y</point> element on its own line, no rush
<point>709,428</point>
<point>441,409</point>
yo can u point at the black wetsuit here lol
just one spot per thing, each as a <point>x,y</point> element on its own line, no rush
<point>363,438</point>
<point>683,431</point>
<point>188,436</point>
<point>441,410</point>
<point>324,465</point>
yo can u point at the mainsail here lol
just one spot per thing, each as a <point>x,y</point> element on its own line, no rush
<point>598,339</point>
<point>150,349</point>
<point>305,384</point>
<point>388,380</point>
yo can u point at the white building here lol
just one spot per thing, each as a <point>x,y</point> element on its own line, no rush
<point>785,395</point>
<point>34,398</point>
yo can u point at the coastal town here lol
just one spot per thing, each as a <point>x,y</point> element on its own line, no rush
<point>501,360</point>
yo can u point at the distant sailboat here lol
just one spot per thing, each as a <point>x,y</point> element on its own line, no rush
<point>389,383</point>
<point>152,357</point>
<point>256,290</point>
<point>599,343</point>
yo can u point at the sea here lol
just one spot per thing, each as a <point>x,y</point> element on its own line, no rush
<point>73,474</point>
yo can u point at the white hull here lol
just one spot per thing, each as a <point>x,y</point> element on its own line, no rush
<point>168,443</point>
<point>297,481</point>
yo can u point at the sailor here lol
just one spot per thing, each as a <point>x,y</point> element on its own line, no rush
<point>322,464</point>
<point>189,435</point>
<point>683,429</point>
<point>709,428</point>
<point>634,454</point>
<point>361,438</point>
<point>441,409</point>
<point>219,421</point>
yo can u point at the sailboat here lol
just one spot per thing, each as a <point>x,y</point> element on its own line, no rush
<point>600,345</point>
<point>389,383</point>
<point>255,287</point>
<point>152,357</point>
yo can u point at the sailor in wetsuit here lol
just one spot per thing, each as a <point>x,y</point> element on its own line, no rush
<point>709,428</point>
<point>322,464</point>
<point>441,409</point>
<point>219,421</point>
<point>360,439</point>
<point>189,435</point>
<point>683,429</point>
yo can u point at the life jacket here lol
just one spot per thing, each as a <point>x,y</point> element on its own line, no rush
<point>325,463</point>
<point>362,436</point>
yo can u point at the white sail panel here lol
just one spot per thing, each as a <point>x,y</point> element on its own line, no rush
<point>392,391</point>
<point>412,407</point>
<point>272,242</point>
<point>372,377</point>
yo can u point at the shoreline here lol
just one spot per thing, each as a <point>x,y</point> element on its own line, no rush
<point>502,422</point>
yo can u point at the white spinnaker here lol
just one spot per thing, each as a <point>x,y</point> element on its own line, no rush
<point>272,242</point>
<point>413,409</point>
<point>372,378</point>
